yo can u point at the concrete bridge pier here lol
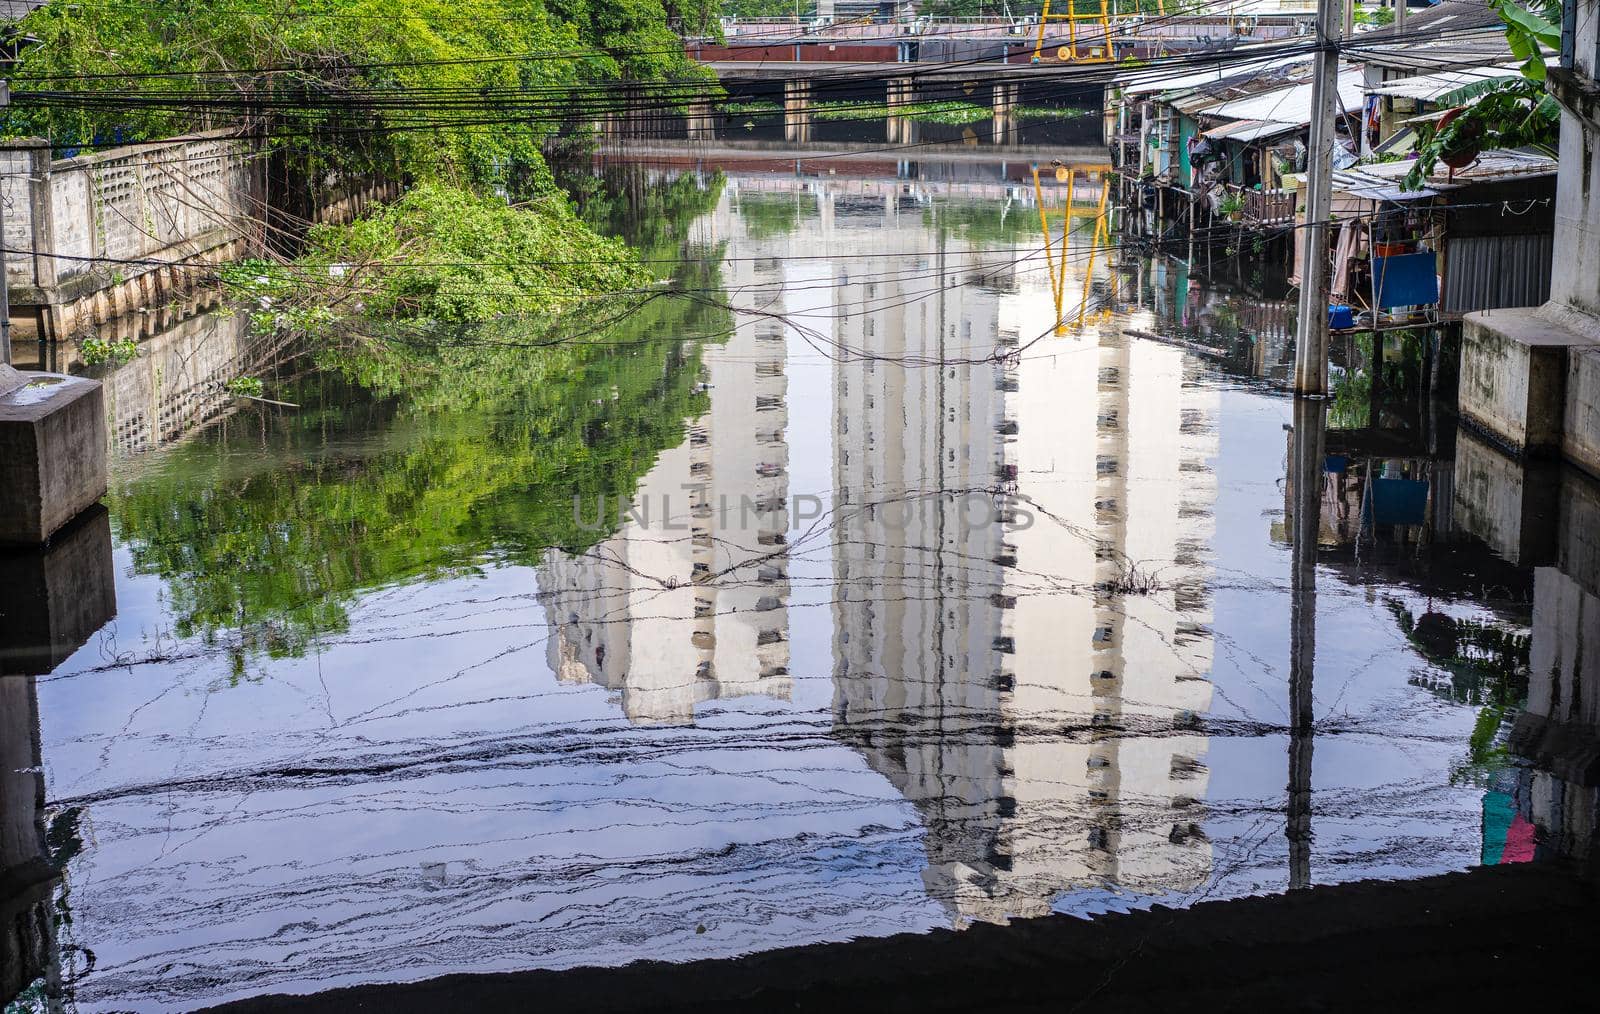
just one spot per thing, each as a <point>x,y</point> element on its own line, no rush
<point>1007,96</point>
<point>902,92</point>
<point>701,121</point>
<point>797,111</point>
<point>26,876</point>
<point>56,597</point>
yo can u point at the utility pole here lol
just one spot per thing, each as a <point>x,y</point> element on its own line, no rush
<point>1305,485</point>
<point>5,259</point>
<point>1311,338</point>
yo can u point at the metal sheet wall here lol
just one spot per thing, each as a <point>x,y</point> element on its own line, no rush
<point>1492,272</point>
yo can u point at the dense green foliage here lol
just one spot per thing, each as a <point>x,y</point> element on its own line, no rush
<point>441,253</point>
<point>480,461</point>
<point>467,89</point>
<point>947,111</point>
<point>417,461</point>
<point>988,223</point>
<point>652,216</point>
<point>769,215</point>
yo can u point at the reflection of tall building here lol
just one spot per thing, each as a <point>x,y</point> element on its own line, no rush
<point>918,552</point>
<point>688,600</point>
<point>1028,689</point>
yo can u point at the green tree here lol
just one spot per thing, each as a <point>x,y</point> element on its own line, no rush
<point>465,91</point>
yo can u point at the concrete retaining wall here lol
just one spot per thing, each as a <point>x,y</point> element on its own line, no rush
<point>99,236</point>
<point>98,222</point>
<point>1580,438</point>
<point>1512,379</point>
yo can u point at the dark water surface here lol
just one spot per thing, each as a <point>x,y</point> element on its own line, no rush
<point>928,615</point>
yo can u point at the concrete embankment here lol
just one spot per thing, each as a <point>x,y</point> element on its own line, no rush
<point>1475,940</point>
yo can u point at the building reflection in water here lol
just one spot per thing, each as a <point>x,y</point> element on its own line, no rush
<point>57,597</point>
<point>688,601</point>
<point>1028,689</point>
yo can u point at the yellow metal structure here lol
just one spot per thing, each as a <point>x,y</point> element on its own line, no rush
<point>1086,13</point>
<point>1056,254</point>
<point>1096,45</point>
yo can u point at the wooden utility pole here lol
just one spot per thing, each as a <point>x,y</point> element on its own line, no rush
<point>1311,339</point>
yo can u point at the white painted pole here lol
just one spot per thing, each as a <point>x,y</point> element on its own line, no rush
<point>1311,339</point>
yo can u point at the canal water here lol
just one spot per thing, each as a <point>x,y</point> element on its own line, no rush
<point>905,570</point>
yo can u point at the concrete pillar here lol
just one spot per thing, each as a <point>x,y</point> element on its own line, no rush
<point>52,453</point>
<point>902,91</point>
<point>1005,110</point>
<point>26,876</point>
<point>1530,377</point>
<point>1575,274</point>
<point>900,128</point>
<point>797,111</point>
<point>702,122</point>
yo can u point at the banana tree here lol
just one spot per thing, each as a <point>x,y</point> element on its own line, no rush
<point>1509,111</point>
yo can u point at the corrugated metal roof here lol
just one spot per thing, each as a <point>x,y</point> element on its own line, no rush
<point>1241,64</point>
<point>1381,181</point>
<point>1490,167</point>
<point>16,10</point>
<point>1453,34</point>
<point>1430,87</point>
<point>1356,182</point>
<point>1286,105</point>
<point>1451,15</point>
<point>1250,130</point>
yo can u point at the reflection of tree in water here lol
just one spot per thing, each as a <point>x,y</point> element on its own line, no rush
<point>426,464</point>
<point>1487,667</point>
<point>650,211</point>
